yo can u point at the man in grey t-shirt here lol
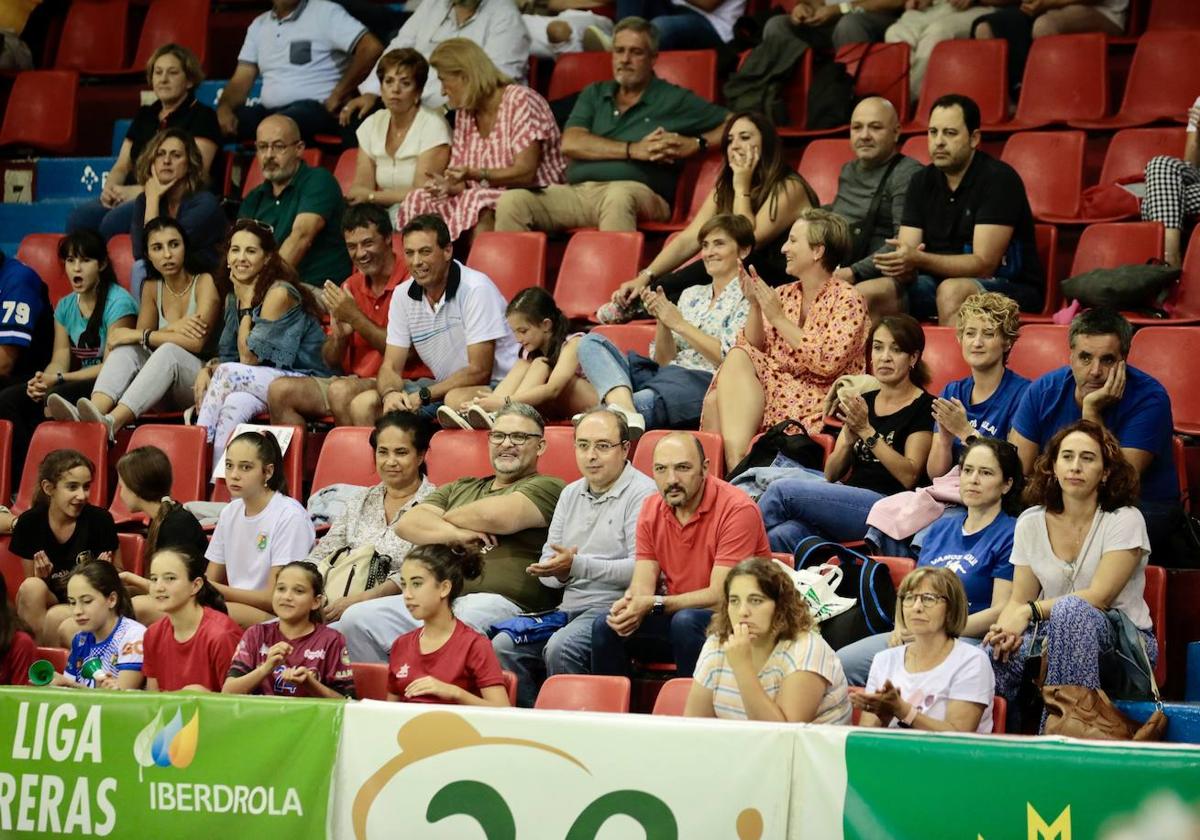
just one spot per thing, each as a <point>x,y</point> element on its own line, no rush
<point>590,551</point>
<point>877,167</point>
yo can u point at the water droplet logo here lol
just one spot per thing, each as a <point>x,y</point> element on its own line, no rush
<point>173,745</point>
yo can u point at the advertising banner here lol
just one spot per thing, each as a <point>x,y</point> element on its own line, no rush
<point>131,764</point>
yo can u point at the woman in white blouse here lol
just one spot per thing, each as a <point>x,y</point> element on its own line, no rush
<point>403,143</point>
<point>1079,560</point>
<point>763,659</point>
<point>400,440</point>
<point>937,681</point>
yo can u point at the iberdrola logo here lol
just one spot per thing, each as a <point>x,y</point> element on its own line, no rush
<point>173,745</point>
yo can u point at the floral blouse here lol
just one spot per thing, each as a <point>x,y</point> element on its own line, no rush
<point>724,319</point>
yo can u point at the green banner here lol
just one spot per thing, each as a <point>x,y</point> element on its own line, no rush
<point>130,764</point>
<point>993,788</point>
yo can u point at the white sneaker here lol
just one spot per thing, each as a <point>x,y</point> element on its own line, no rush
<point>596,39</point>
<point>60,409</point>
<point>480,419</point>
<point>88,413</point>
<point>451,419</point>
<point>635,421</point>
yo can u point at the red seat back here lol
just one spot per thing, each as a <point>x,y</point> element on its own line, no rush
<point>344,171</point>
<point>133,552</point>
<point>1184,302</point>
<point>95,36</point>
<point>821,164</point>
<point>1051,165</point>
<point>973,68</point>
<point>695,70</point>
<point>513,260</point>
<point>593,265</point>
<point>917,148</point>
<point>120,253</point>
<point>89,438</point>
<point>559,458</point>
<point>584,693</point>
<point>1159,352</point>
<point>55,655</point>
<point>41,111</point>
<point>370,680</point>
<point>1066,78</point>
<point>1174,14</point>
<point>574,71</point>
<point>943,356</point>
<point>457,453</point>
<point>898,567</point>
<point>672,697</point>
<point>183,22</point>
<point>883,72</point>
<point>1161,78</point>
<point>1040,349</point>
<point>714,451</point>
<point>346,458</point>
<point>510,686</point>
<point>293,469</point>
<point>626,337</point>
<point>39,251</point>
<point>6,434</point>
<point>1156,600</point>
<point>1113,244</point>
<point>1046,239</point>
<point>187,449</point>
<point>1131,148</point>
<point>254,176</point>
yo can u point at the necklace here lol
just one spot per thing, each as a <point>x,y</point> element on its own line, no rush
<point>186,289</point>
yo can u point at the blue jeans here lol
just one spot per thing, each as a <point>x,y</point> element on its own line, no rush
<point>95,216</point>
<point>796,508</point>
<point>677,637</point>
<point>309,114</point>
<point>606,367</point>
<point>568,651</point>
<point>679,28</point>
<point>922,294</point>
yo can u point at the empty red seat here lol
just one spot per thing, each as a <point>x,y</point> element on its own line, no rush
<point>559,458</point>
<point>943,356</point>
<point>821,164</point>
<point>89,438</point>
<point>457,453</point>
<point>133,553</point>
<point>714,451</point>
<point>41,111</point>
<point>1130,149</point>
<point>1155,594</point>
<point>574,71</point>
<point>39,251</point>
<point>183,22</point>
<point>672,697</point>
<point>594,264</point>
<point>1066,78</point>
<point>973,68</point>
<point>344,171</point>
<point>917,148</point>
<point>187,449</point>
<point>1051,165</point>
<point>55,655</point>
<point>370,680</point>
<point>879,70</point>
<point>695,70</point>
<point>1112,244</point>
<point>626,337</point>
<point>346,458</point>
<point>584,693</point>
<point>1161,83</point>
<point>1040,349</point>
<point>1046,238</point>
<point>1160,351</point>
<point>1174,14</point>
<point>95,36</point>
<point>514,260</point>
<point>696,181</point>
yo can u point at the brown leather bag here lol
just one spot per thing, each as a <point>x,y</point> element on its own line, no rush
<point>1079,712</point>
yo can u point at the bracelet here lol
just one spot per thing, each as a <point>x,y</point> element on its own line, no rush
<point>911,716</point>
<point>146,339</point>
<point>59,378</point>
<point>1035,612</point>
<point>242,313</point>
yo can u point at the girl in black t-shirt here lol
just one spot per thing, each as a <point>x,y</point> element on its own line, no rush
<point>882,448</point>
<point>145,488</point>
<point>61,530</point>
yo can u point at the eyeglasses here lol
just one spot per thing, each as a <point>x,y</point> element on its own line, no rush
<point>928,599</point>
<point>601,446</point>
<point>518,438</point>
<point>246,224</point>
<point>277,147</point>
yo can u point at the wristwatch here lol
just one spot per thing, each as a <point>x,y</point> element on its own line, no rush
<point>660,605</point>
<point>703,141</point>
<point>872,441</point>
<point>425,395</point>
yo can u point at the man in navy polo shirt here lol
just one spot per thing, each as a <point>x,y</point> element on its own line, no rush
<point>1099,385</point>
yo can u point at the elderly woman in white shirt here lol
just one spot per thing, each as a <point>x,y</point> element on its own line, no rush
<point>403,143</point>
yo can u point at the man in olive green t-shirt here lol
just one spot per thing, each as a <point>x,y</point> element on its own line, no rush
<point>509,511</point>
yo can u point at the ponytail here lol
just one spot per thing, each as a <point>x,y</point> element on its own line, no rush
<point>105,579</point>
<point>269,454</point>
<point>454,563</point>
<point>316,615</point>
<point>165,508</point>
<point>535,304</point>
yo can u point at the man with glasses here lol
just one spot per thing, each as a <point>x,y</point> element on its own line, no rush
<point>302,204</point>
<point>691,534</point>
<point>506,515</point>
<point>589,556</point>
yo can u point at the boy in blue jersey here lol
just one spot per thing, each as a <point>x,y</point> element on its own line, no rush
<point>26,322</point>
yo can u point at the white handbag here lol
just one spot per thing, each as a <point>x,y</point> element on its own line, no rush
<point>818,585</point>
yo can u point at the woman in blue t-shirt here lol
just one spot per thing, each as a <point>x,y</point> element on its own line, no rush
<point>975,544</point>
<point>82,320</point>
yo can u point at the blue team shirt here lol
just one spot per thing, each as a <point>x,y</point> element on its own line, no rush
<point>977,559</point>
<point>992,417</point>
<point>117,305</point>
<point>1141,420</point>
<point>26,319</point>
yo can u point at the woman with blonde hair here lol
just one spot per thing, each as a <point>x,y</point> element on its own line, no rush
<point>935,682</point>
<point>504,136</point>
<point>764,659</point>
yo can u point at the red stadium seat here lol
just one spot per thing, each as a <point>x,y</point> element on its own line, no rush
<point>898,567</point>
<point>344,171</point>
<point>39,251</point>
<point>188,450</point>
<point>879,70</point>
<point>1040,349</point>
<point>1161,352</point>
<point>943,356</point>
<point>6,433</point>
<point>999,715</point>
<point>457,453</point>
<point>95,37</point>
<point>821,164</point>
<point>574,71</point>
<point>1066,78</point>
<point>89,438</point>
<point>714,449</point>
<point>1174,14</point>
<point>1108,245</point>
<point>254,176</point>
<point>370,680</point>
<point>635,336</point>
<point>593,265</point>
<point>120,253</point>
<point>973,68</point>
<point>293,470</point>
<point>55,655</point>
<point>12,570</point>
<point>41,111</point>
<point>1046,237</point>
<point>183,22</point>
<point>672,697</point>
<point>510,686</point>
<point>1130,149</point>
<point>346,458</point>
<point>514,261</point>
<point>133,553</point>
<point>584,693</point>
<point>559,458</point>
<point>1156,600</point>
<point>1183,304</point>
<point>1160,85</point>
<point>695,70</point>
<point>917,148</point>
<point>696,181</point>
<point>1051,165</point>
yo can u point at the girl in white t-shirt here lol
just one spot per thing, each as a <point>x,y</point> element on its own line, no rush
<point>261,530</point>
<point>1080,552</point>
<point>762,660</point>
<point>937,681</point>
<point>107,650</point>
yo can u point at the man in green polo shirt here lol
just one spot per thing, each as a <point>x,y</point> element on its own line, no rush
<point>302,203</point>
<point>624,141</point>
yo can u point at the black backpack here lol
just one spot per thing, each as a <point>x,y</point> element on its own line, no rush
<point>831,97</point>
<point>775,441</point>
<point>868,582</point>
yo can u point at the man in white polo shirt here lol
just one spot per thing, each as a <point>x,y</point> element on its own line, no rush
<point>453,316</point>
<point>312,54</point>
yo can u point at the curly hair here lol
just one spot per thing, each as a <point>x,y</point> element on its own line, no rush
<point>992,308</point>
<point>197,176</point>
<point>791,614</point>
<point>1120,488</point>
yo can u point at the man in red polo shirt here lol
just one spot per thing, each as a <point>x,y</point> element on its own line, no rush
<point>357,337</point>
<point>692,532</point>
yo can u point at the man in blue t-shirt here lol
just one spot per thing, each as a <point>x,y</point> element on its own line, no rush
<point>26,322</point>
<point>1098,385</point>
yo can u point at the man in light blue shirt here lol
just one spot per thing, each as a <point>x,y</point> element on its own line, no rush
<point>312,54</point>
<point>589,550</point>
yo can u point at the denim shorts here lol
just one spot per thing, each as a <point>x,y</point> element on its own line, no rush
<point>921,295</point>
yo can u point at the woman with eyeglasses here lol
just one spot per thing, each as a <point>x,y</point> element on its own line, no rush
<point>1080,557</point>
<point>935,682</point>
<point>975,544</point>
<point>272,329</point>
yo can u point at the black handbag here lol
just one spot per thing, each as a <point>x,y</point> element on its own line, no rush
<point>776,441</point>
<point>868,582</point>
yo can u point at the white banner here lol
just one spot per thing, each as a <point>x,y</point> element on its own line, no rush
<point>454,773</point>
